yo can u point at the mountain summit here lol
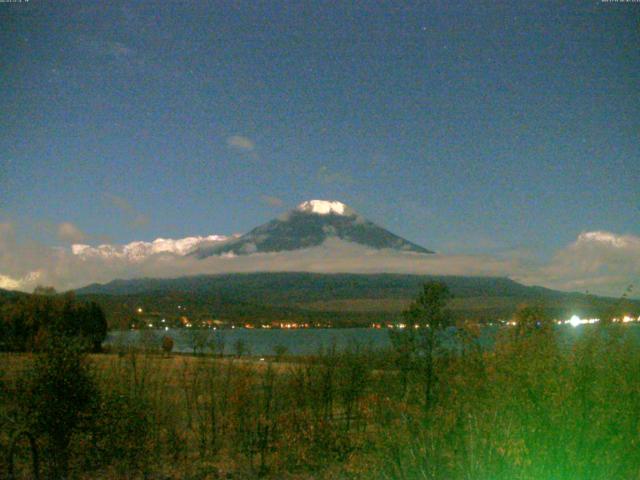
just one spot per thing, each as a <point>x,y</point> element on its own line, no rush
<point>325,207</point>
<point>309,225</point>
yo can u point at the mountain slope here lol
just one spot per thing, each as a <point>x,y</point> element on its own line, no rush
<point>309,225</point>
<point>340,299</point>
<point>293,287</point>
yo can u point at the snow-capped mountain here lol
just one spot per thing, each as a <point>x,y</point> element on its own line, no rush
<point>325,207</point>
<point>140,250</point>
<point>309,225</point>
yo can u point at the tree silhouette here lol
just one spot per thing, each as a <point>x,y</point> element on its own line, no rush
<point>416,345</point>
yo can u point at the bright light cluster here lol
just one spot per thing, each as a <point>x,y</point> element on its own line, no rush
<point>576,321</point>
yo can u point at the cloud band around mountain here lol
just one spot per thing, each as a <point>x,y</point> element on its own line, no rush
<point>599,262</point>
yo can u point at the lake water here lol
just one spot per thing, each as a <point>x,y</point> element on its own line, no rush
<point>297,342</point>
<point>259,341</point>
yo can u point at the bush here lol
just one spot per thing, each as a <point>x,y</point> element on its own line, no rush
<point>27,323</point>
<point>167,344</point>
<point>280,351</point>
<point>56,395</point>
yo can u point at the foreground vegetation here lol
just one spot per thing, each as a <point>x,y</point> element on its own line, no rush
<point>530,408</point>
<point>30,322</point>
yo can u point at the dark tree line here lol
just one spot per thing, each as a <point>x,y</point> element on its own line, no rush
<point>28,322</point>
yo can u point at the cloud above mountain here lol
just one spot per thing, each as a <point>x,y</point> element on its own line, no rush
<point>68,232</point>
<point>134,218</point>
<point>596,261</point>
<point>600,262</point>
<point>241,143</point>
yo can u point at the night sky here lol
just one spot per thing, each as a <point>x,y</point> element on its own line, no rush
<point>466,127</point>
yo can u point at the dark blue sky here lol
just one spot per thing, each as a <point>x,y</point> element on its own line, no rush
<point>462,126</point>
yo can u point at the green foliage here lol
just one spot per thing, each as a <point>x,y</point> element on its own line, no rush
<point>529,407</point>
<point>120,431</point>
<point>44,290</point>
<point>167,344</point>
<point>280,351</point>
<point>531,320</point>
<point>428,309</point>
<point>240,347</point>
<point>418,343</point>
<point>93,326</point>
<point>55,396</point>
<point>149,340</point>
<point>27,323</point>
<point>198,339</point>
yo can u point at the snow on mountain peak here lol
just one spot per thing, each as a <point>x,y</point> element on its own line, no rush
<point>325,207</point>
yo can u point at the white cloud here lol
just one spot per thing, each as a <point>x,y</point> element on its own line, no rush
<point>68,232</point>
<point>30,281</point>
<point>134,218</point>
<point>241,143</point>
<point>601,262</point>
<point>9,283</point>
<point>139,250</point>
<point>63,269</point>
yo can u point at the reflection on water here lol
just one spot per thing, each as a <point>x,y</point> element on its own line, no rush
<point>296,342</point>
<point>256,341</point>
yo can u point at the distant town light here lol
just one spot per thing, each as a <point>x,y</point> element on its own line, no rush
<point>574,321</point>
